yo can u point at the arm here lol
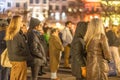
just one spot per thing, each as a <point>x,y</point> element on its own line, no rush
<point>105,48</point>
<point>33,45</point>
<point>64,35</point>
<point>77,52</point>
<point>58,44</point>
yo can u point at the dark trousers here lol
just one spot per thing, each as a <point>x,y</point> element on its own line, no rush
<point>35,70</point>
<point>4,73</point>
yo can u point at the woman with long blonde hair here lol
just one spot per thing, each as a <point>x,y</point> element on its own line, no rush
<point>17,49</point>
<point>97,51</point>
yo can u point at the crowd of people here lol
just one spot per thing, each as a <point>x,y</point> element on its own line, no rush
<point>90,47</point>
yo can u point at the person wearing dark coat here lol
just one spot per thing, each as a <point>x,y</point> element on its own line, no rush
<point>4,71</point>
<point>77,51</point>
<point>17,49</point>
<point>114,42</point>
<point>36,48</point>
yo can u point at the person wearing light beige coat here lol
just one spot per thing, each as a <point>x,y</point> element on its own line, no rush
<point>55,48</point>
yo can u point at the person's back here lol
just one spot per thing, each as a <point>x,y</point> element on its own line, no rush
<point>98,53</point>
<point>78,51</point>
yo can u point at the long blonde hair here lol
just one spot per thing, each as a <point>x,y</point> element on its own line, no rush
<point>95,27</point>
<point>13,28</point>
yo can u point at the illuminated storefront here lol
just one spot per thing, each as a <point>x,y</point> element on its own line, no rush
<point>92,8</point>
<point>113,12</point>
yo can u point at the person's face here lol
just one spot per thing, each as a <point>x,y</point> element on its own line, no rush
<point>39,27</point>
<point>69,25</point>
<point>57,32</point>
<point>24,28</point>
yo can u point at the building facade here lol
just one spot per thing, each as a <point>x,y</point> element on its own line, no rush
<point>39,8</point>
<point>93,9</point>
<point>57,10</point>
<point>16,5</point>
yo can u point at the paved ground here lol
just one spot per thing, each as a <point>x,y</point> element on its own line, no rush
<point>63,74</point>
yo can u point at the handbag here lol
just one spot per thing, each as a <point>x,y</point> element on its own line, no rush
<point>83,71</point>
<point>4,59</point>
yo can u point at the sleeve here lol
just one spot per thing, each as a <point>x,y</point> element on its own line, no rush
<point>19,48</point>
<point>64,35</point>
<point>33,45</point>
<point>77,52</point>
<point>105,48</point>
<point>58,44</point>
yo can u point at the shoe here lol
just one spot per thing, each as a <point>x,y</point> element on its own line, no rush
<point>43,72</point>
<point>56,79</point>
<point>67,67</point>
<point>40,74</point>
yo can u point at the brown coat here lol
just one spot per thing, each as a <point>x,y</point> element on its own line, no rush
<point>55,48</point>
<point>97,56</point>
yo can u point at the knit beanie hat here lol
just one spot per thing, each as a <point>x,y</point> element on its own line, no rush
<point>34,22</point>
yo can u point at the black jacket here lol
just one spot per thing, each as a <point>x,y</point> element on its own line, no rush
<point>113,40</point>
<point>36,47</point>
<point>2,41</point>
<point>78,50</point>
<point>17,48</point>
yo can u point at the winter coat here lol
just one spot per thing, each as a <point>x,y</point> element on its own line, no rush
<point>17,48</point>
<point>78,50</point>
<point>2,41</point>
<point>78,58</point>
<point>44,43</point>
<point>97,56</point>
<point>113,40</point>
<point>36,48</point>
<point>55,48</point>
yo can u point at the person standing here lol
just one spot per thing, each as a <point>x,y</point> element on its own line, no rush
<point>36,48</point>
<point>77,51</point>
<point>17,49</point>
<point>98,54</point>
<point>55,48</point>
<point>4,71</point>
<point>67,39</point>
<point>114,42</point>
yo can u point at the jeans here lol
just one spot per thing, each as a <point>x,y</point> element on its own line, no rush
<point>4,73</point>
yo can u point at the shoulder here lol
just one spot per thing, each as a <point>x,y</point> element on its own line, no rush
<point>103,37</point>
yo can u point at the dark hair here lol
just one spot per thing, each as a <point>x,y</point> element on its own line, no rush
<point>54,30</point>
<point>66,23</point>
<point>81,29</point>
<point>46,29</point>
